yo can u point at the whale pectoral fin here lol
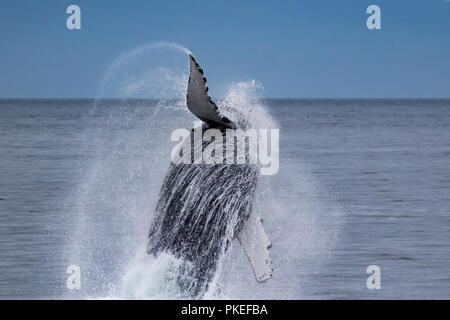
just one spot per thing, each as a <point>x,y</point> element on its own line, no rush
<point>198,100</point>
<point>256,245</point>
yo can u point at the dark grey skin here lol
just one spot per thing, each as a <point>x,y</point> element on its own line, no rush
<point>200,210</point>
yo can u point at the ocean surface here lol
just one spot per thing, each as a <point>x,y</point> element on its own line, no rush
<point>361,182</point>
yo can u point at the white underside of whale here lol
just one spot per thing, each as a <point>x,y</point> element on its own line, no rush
<point>256,245</point>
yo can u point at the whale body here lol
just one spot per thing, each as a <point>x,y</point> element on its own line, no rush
<point>203,207</point>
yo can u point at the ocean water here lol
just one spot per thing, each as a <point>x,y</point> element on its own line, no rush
<point>361,182</point>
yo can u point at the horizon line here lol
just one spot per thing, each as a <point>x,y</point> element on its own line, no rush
<point>265,98</point>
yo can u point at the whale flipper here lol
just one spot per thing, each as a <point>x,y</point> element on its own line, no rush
<point>256,245</point>
<point>198,100</point>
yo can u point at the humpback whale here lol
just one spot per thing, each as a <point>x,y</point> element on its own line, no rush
<point>203,207</point>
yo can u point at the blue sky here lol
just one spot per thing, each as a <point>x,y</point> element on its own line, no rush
<point>296,49</point>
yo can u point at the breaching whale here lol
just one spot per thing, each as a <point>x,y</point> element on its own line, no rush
<point>203,207</point>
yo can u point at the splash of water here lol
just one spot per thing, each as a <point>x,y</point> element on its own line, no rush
<point>117,192</point>
<point>122,67</point>
<point>126,160</point>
